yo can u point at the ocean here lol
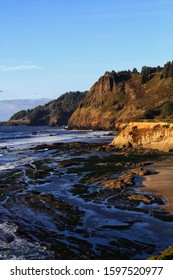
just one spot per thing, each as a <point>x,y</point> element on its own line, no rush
<point>15,141</point>
<point>16,152</point>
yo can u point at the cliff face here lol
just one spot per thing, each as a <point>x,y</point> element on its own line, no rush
<point>56,112</point>
<point>121,97</point>
<point>117,97</point>
<point>150,135</point>
<point>99,107</point>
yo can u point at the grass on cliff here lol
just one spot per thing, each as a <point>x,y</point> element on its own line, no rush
<point>167,254</point>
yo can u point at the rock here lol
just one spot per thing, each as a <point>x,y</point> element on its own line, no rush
<point>166,254</point>
<point>146,135</point>
<point>3,148</point>
<point>117,184</point>
<point>68,163</point>
<point>8,238</point>
<point>140,198</point>
<point>141,171</point>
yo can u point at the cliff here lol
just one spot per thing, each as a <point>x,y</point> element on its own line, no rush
<point>99,107</point>
<point>152,135</point>
<point>117,97</point>
<point>125,96</point>
<point>56,112</point>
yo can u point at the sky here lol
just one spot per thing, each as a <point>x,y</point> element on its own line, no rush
<point>10,107</point>
<point>49,47</point>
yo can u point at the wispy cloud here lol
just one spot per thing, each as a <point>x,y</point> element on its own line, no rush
<point>21,67</point>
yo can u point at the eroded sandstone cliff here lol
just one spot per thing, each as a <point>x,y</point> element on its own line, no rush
<point>152,135</point>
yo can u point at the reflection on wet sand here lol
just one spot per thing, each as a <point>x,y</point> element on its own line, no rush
<point>162,182</point>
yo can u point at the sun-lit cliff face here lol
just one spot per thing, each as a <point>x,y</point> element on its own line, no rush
<point>124,97</point>
<point>116,98</point>
<point>100,106</point>
<point>152,135</point>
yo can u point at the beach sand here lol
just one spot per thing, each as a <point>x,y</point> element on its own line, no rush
<point>162,182</point>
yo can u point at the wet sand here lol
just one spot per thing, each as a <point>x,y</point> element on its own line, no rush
<point>162,183</point>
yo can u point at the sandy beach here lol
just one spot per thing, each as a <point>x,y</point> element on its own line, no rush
<point>162,182</point>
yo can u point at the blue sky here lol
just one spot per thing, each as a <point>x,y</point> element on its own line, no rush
<point>49,47</point>
<point>10,107</point>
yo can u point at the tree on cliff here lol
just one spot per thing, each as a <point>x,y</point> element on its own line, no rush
<point>167,70</point>
<point>146,73</point>
<point>134,71</point>
<point>56,112</point>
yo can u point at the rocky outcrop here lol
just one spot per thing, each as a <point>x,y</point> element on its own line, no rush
<point>151,135</point>
<point>115,98</point>
<point>56,112</point>
<point>99,107</point>
<point>123,97</point>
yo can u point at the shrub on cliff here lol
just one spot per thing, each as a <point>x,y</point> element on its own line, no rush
<point>167,70</point>
<point>19,115</point>
<point>167,254</point>
<point>56,112</point>
<point>147,72</point>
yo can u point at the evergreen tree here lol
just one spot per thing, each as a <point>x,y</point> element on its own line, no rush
<point>167,70</point>
<point>134,71</point>
<point>170,73</point>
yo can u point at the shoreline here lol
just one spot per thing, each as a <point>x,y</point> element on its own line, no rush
<point>86,201</point>
<point>160,183</point>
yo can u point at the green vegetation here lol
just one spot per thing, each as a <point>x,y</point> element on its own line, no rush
<point>19,115</point>
<point>56,112</point>
<point>147,73</point>
<point>167,70</point>
<point>117,97</point>
<point>166,126</point>
<point>164,111</point>
<point>135,71</point>
<point>167,254</point>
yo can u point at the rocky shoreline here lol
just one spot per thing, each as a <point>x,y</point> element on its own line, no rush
<point>68,201</point>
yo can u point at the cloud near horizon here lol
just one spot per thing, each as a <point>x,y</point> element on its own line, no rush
<point>21,67</point>
<point>10,107</point>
